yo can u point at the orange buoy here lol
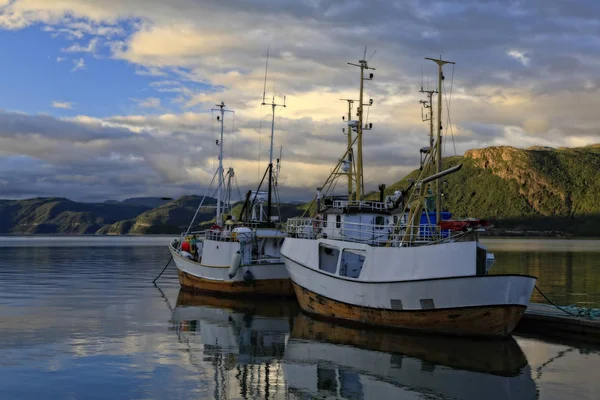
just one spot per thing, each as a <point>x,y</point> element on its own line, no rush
<point>185,246</point>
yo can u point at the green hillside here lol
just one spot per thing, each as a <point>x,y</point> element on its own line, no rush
<point>60,215</point>
<point>538,189</point>
<point>172,217</point>
<point>542,191</point>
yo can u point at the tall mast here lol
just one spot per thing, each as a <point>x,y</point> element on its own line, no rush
<point>273,106</point>
<point>360,185</point>
<point>350,160</point>
<point>438,199</point>
<point>428,104</point>
<point>220,118</point>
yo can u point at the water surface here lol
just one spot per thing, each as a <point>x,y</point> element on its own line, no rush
<point>80,319</point>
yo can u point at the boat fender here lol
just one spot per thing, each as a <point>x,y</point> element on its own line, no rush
<point>235,264</point>
<point>248,277</point>
<point>185,254</point>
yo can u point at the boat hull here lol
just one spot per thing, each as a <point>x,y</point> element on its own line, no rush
<point>264,287</point>
<point>473,305</point>
<point>498,320</point>
<point>268,279</point>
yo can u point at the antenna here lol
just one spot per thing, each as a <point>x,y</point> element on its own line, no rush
<point>438,153</point>
<point>363,65</point>
<point>273,106</point>
<point>266,69</point>
<point>221,109</point>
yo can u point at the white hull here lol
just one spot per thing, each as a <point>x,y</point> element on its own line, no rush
<point>270,278</point>
<point>413,280</point>
<point>221,273</point>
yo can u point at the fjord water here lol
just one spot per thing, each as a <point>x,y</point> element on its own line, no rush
<point>80,319</point>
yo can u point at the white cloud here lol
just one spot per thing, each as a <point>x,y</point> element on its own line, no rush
<point>60,59</point>
<point>522,57</point>
<point>78,48</point>
<point>78,65</point>
<point>150,102</point>
<point>201,61</point>
<point>63,104</point>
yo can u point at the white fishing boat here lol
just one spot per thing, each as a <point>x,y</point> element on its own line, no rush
<point>237,255</point>
<point>399,262</point>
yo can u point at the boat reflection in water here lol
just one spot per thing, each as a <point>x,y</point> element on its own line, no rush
<point>267,349</point>
<point>322,357</point>
<point>243,340</point>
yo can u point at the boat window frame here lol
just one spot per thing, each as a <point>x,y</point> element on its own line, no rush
<point>337,261</point>
<point>359,252</point>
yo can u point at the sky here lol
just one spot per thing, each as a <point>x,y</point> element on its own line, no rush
<point>110,99</point>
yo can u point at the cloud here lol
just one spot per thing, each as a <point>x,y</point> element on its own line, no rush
<point>78,65</point>
<point>519,56</point>
<point>60,59</point>
<point>526,73</point>
<point>150,102</point>
<point>78,48</point>
<point>62,104</point>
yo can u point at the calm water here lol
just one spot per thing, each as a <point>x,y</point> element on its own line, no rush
<point>79,319</point>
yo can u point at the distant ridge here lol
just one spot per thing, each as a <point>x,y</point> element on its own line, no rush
<point>538,191</point>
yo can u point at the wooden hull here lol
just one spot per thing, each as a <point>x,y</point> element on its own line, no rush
<point>262,287</point>
<point>494,321</point>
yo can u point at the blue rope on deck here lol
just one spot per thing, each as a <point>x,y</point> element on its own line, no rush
<point>585,312</point>
<point>581,312</point>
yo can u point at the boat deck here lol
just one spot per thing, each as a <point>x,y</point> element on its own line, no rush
<point>544,319</point>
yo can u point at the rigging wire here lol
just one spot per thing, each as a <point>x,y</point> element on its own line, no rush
<point>448,103</point>
<point>259,147</point>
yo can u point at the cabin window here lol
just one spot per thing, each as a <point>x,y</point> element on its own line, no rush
<point>338,221</point>
<point>352,262</point>
<point>325,221</point>
<point>379,221</point>
<point>328,258</point>
<point>395,219</point>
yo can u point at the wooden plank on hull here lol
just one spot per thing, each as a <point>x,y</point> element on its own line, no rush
<point>260,287</point>
<point>497,321</point>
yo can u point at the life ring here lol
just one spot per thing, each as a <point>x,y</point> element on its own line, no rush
<point>215,228</point>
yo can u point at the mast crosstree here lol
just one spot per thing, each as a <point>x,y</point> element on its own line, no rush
<point>438,146</point>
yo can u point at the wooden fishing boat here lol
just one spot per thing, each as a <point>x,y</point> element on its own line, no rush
<point>400,261</point>
<point>238,255</point>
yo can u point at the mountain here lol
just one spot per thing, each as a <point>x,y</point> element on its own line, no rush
<point>539,189</point>
<point>151,202</point>
<point>60,215</point>
<point>171,217</point>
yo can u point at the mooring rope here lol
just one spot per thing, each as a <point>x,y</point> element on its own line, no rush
<point>161,272</point>
<point>589,312</point>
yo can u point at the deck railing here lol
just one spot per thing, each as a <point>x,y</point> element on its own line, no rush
<point>373,234</point>
<point>369,205</point>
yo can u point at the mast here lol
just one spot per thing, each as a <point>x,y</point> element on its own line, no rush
<point>350,160</point>
<point>438,199</point>
<point>363,65</point>
<point>270,167</point>
<point>220,118</point>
